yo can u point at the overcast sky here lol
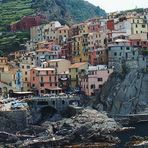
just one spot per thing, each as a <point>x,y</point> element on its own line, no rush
<point>115,5</point>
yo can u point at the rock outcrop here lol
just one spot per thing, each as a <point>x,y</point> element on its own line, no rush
<point>86,126</point>
<point>124,95</point>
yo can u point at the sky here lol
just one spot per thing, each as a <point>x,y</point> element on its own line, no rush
<point>117,5</point>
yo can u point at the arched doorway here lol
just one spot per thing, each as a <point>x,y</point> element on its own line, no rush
<point>5,92</point>
<point>10,93</point>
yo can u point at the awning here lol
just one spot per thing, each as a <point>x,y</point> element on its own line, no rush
<point>63,79</point>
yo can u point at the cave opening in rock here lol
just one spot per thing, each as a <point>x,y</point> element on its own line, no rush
<point>47,112</point>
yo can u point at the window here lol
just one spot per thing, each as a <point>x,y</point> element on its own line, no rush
<point>100,79</point>
<point>63,102</point>
<point>56,64</point>
<point>28,67</point>
<point>127,48</point>
<point>136,25</point>
<point>109,48</point>
<point>25,72</point>
<point>76,69</point>
<point>100,86</point>
<point>22,67</point>
<point>42,79</point>
<point>33,78</point>
<point>92,86</point>
<point>42,84</point>
<point>115,53</point>
<point>53,102</point>
<point>143,26</point>
<point>25,79</point>
<point>46,72</point>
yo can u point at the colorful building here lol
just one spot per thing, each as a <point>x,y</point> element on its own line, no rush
<point>44,80</point>
<point>60,65</point>
<point>80,48</point>
<point>94,78</point>
<point>19,81</point>
<point>74,72</point>
<point>43,55</point>
<point>120,52</point>
<point>4,66</point>
<point>45,32</point>
<point>98,56</point>
<point>62,34</point>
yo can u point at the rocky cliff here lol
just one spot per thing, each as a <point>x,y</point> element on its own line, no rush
<point>87,126</point>
<point>124,95</point>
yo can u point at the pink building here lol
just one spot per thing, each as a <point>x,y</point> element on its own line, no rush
<point>44,80</point>
<point>94,79</point>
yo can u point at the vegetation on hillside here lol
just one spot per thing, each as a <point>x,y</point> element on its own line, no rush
<point>68,10</point>
<point>12,11</point>
<point>65,11</point>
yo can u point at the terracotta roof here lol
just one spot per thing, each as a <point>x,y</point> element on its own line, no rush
<point>43,50</point>
<point>77,65</point>
<point>63,27</point>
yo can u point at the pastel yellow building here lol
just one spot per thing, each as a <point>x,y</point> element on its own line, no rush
<point>62,34</point>
<point>61,65</point>
<point>8,77</point>
<point>138,25</point>
<point>25,69</point>
<point>4,66</point>
<point>83,28</point>
<point>80,48</point>
<point>74,72</point>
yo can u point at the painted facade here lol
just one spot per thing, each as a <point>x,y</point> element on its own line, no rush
<point>60,65</point>
<point>44,80</point>
<point>94,79</point>
<point>74,72</point>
